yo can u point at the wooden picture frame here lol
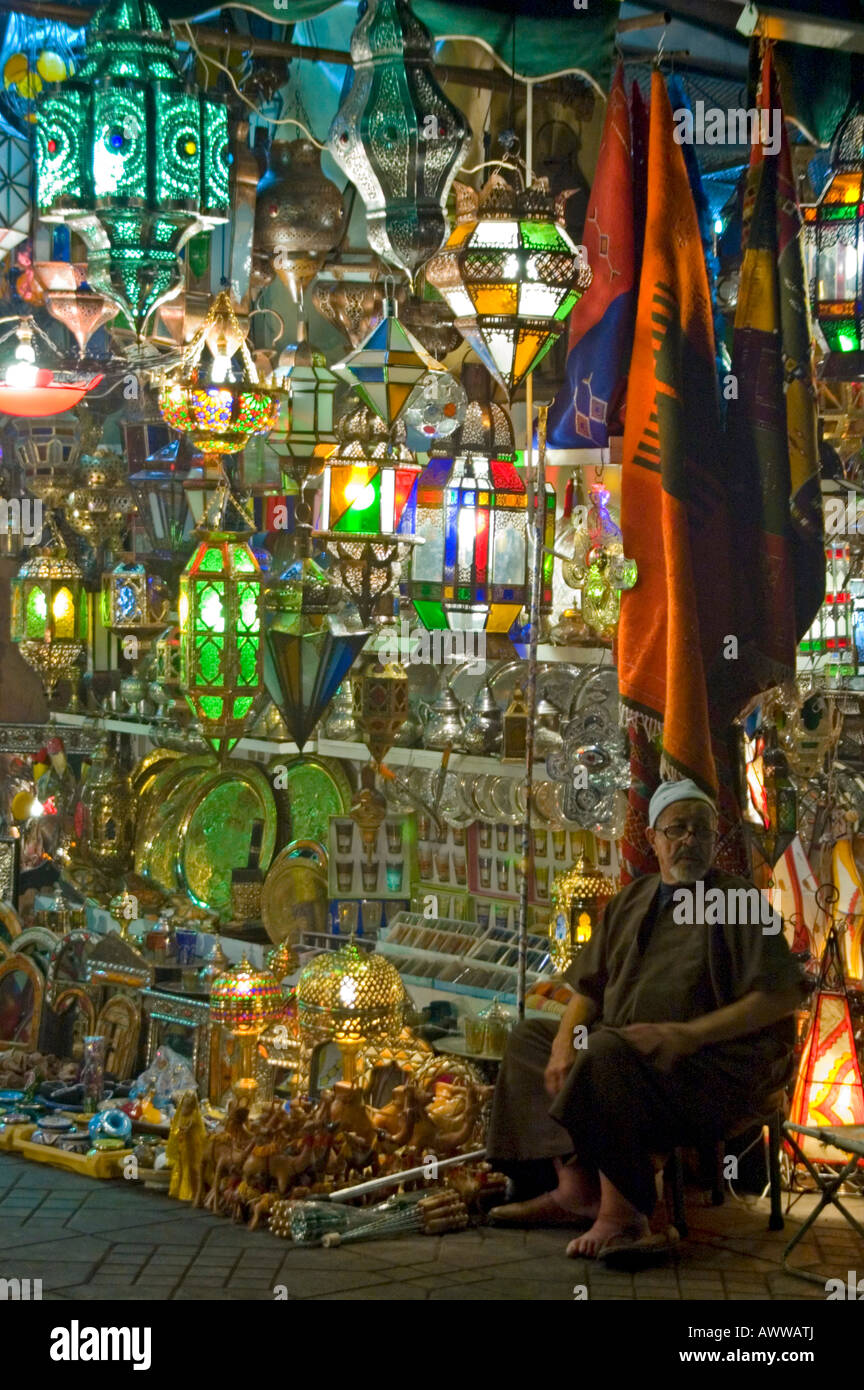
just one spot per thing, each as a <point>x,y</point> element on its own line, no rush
<point>22,991</point>
<point>119,1023</point>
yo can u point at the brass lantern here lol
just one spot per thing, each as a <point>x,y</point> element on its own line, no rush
<point>49,620</point>
<point>48,452</point>
<point>380,693</point>
<point>580,896</point>
<point>351,997</point>
<point>134,605</point>
<point>244,1000</point>
<point>105,817</point>
<point>299,215</point>
<point>101,504</point>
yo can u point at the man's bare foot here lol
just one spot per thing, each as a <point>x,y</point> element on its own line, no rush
<point>549,1209</point>
<point>604,1228</point>
<point>578,1186</point>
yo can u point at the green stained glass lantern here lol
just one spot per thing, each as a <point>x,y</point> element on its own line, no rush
<point>511,274</point>
<point>834,247</point>
<point>49,621</point>
<point>132,158</point>
<point>396,136</point>
<point>471,573</point>
<point>220,635</point>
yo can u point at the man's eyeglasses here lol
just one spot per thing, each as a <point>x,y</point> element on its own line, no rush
<point>676,832</point>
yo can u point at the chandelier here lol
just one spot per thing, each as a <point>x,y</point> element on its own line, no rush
<point>511,274</point>
<point>132,158</point>
<point>834,248</point>
<point>28,387</point>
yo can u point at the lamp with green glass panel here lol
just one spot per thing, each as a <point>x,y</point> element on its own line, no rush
<point>132,158</point>
<point>834,250</point>
<point>50,616</point>
<point>220,626</point>
<point>511,273</point>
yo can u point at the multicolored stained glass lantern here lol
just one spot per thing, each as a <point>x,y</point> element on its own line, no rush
<point>243,1001</point>
<point>471,573</point>
<point>135,604</point>
<point>511,274</point>
<point>132,158</point>
<point>396,136</point>
<point>31,389</point>
<point>49,621</point>
<point>380,694</point>
<point>834,249</point>
<point>350,996</point>
<point>389,368</point>
<point>220,635</point>
<point>219,406</point>
<point>308,650</point>
<point>368,507</point>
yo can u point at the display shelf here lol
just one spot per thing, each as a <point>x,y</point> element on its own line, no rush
<point>155,731</point>
<point>429,758</point>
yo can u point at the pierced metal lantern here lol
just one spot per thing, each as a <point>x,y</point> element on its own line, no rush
<point>105,816</point>
<point>351,997</point>
<point>219,404</point>
<point>299,215</point>
<point>511,274</point>
<point>368,508</point>
<point>580,896</point>
<point>101,504</point>
<point>49,621</point>
<point>134,604</point>
<point>834,247</point>
<point>220,635</point>
<point>396,136</point>
<point>132,158</point>
<point>471,573</point>
<point>380,693</point>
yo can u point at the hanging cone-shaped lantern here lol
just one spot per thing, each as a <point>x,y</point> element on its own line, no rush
<point>307,651</point>
<point>386,370</point>
<point>829,1089</point>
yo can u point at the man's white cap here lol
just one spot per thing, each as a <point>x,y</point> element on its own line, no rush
<point>669,792</point>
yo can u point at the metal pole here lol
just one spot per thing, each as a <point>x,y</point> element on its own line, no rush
<point>429,1169</point>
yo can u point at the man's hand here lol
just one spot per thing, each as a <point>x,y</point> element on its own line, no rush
<point>561,1060</point>
<point>664,1043</point>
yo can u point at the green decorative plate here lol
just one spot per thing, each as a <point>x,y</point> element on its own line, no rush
<point>316,789</point>
<point>214,835</point>
<point>150,831</point>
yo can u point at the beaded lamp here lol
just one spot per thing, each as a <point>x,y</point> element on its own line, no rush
<point>511,274</point>
<point>132,158</point>
<point>243,1001</point>
<point>834,247</point>
<point>351,997</point>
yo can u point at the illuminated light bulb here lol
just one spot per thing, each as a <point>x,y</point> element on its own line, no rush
<point>347,992</point>
<point>23,371</point>
<point>221,368</point>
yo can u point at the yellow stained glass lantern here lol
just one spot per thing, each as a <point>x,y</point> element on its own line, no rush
<point>352,998</point>
<point>244,1000</point>
<point>220,610</point>
<point>49,620</point>
<point>511,273</point>
<point>580,896</point>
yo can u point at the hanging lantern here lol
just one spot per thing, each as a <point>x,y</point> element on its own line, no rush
<point>49,621</point>
<point>48,454</point>
<point>100,506</point>
<point>32,389</point>
<point>350,294</point>
<point>471,573</point>
<point>69,299</point>
<point>511,274</point>
<point>380,694</point>
<point>132,158</point>
<point>351,997</point>
<point>163,509</point>
<point>391,372</point>
<point>580,896</point>
<point>220,635</point>
<point>299,216</point>
<point>368,508</point>
<point>134,605</point>
<point>105,816</point>
<point>305,435</point>
<point>308,650</point>
<point>834,249</point>
<point>396,136</point>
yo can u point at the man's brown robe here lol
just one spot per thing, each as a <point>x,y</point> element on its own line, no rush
<point>616,1108</point>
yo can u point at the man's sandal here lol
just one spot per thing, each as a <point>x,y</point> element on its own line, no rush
<point>623,1252</point>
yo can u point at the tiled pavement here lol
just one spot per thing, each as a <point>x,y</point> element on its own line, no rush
<point>95,1240</point>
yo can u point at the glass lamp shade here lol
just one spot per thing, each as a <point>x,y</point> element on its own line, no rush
<point>396,136</point>
<point>163,508</point>
<point>134,603</point>
<point>380,694</point>
<point>305,434</point>
<point>471,573</point>
<point>245,1000</point>
<point>307,650</point>
<point>220,636</point>
<point>100,506</point>
<point>49,620</point>
<point>350,996</point>
<point>385,370</point>
<point>48,455</point>
<point>132,158</point>
<point>511,273</point>
<point>834,248</point>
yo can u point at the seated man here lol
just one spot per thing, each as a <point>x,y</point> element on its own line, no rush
<point>691,1029</point>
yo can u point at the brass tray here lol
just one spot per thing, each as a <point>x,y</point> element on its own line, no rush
<point>152,803</point>
<point>316,789</point>
<point>295,897</point>
<point>214,834</point>
<point>146,769</point>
